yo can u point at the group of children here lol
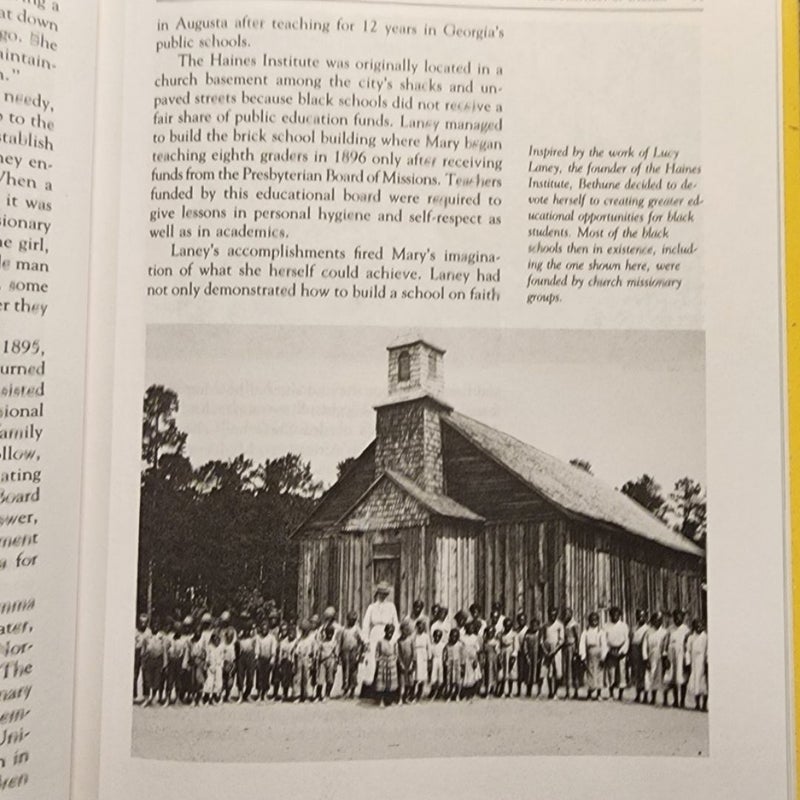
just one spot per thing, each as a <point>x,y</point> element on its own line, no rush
<point>206,661</point>
<point>214,660</point>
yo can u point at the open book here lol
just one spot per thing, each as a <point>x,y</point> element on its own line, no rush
<point>392,400</point>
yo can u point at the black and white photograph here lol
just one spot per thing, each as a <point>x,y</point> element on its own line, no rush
<point>388,543</point>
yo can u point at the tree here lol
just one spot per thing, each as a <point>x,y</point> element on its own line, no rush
<point>216,536</point>
<point>286,491</point>
<point>176,470</point>
<point>226,476</point>
<point>288,474</point>
<point>167,525</point>
<point>582,463</point>
<point>688,505</point>
<point>224,541</point>
<point>344,465</point>
<point>162,446</point>
<point>160,432</point>
<point>647,493</point>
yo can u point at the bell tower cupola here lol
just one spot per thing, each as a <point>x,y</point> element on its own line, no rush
<point>408,430</point>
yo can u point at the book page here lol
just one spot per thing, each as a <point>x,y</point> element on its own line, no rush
<point>47,87</point>
<point>97,435</point>
<point>447,403</point>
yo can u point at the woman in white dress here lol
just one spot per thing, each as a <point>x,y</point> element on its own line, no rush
<point>654,652</point>
<point>379,613</point>
<point>593,649</point>
<point>697,661</point>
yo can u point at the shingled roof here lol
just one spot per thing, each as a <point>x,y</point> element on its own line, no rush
<point>566,486</point>
<point>439,504</point>
<point>571,489</point>
<point>357,479</point>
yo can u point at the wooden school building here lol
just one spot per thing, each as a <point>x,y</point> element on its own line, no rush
<point>447,509</point>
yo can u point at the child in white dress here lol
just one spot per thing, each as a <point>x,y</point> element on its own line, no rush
<point>422,656</point>
<point>437,665</point>
<point>215,655</point>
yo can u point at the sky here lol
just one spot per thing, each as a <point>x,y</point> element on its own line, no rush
<point>627,401</point>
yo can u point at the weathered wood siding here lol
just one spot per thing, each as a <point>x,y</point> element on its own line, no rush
<point>337,570</point>
<point>528,565</point>
<point>532,565</point>
<point>477,482</point>
<point>453,579</point>
<point>438,563</point>
<point>532,556</point>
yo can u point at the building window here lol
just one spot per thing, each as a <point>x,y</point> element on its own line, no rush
<point>431,365</point>
<point>404,366</point>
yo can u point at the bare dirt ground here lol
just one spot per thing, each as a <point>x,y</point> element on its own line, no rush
<point>357,729</point>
